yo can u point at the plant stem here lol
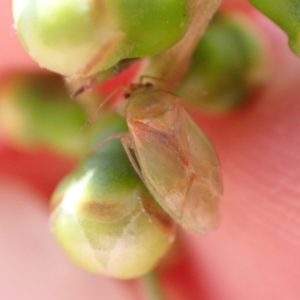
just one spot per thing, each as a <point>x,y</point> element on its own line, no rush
<point>152,287</point>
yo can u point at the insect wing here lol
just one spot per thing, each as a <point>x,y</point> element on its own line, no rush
<point>181,169</point>
<point>162,167</point>
<point>201,206</point>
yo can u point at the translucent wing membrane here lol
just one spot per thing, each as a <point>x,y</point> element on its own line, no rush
<point>200,212</point>
<point>162,166</point>
<point>178,163</point>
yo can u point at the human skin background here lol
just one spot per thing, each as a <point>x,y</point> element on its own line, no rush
<point>254,253</point>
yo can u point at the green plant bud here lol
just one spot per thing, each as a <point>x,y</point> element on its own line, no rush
<point>228,64</point>
<point>35,110</point>
<point>80,37</point>
<point>104,217</point>
<point>286,14</point>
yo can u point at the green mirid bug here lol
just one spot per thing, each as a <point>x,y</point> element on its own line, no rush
<point>173,156</point>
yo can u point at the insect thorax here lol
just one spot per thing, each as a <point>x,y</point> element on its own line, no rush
<point>147,104</point>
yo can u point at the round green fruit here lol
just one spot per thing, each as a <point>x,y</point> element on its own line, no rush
<point>229,64</point>
<point>105,218</point>
<point>83,37</point>
<point>286,14</point>
<point>36,111</point>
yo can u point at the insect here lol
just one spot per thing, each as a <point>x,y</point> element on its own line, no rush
<point>172,155</point>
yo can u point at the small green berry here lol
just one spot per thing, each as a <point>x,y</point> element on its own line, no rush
<point>81,37</point>
<point>104,217</point>
<point>36,110</point>
<point>228,64</point>
<point>286,14</point>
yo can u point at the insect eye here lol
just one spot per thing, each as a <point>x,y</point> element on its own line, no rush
<point>149,85</point>
<point>127,95</point>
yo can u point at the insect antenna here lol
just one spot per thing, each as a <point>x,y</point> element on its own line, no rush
<point>115,136</point>
<point>110,95</point>
<point>93,81</point>
<point>188,88</point>
<point>89,84</point>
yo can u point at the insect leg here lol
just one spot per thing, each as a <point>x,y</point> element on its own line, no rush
<point>91,119</point>
<point>126,142</point>
<point>118,136</point>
